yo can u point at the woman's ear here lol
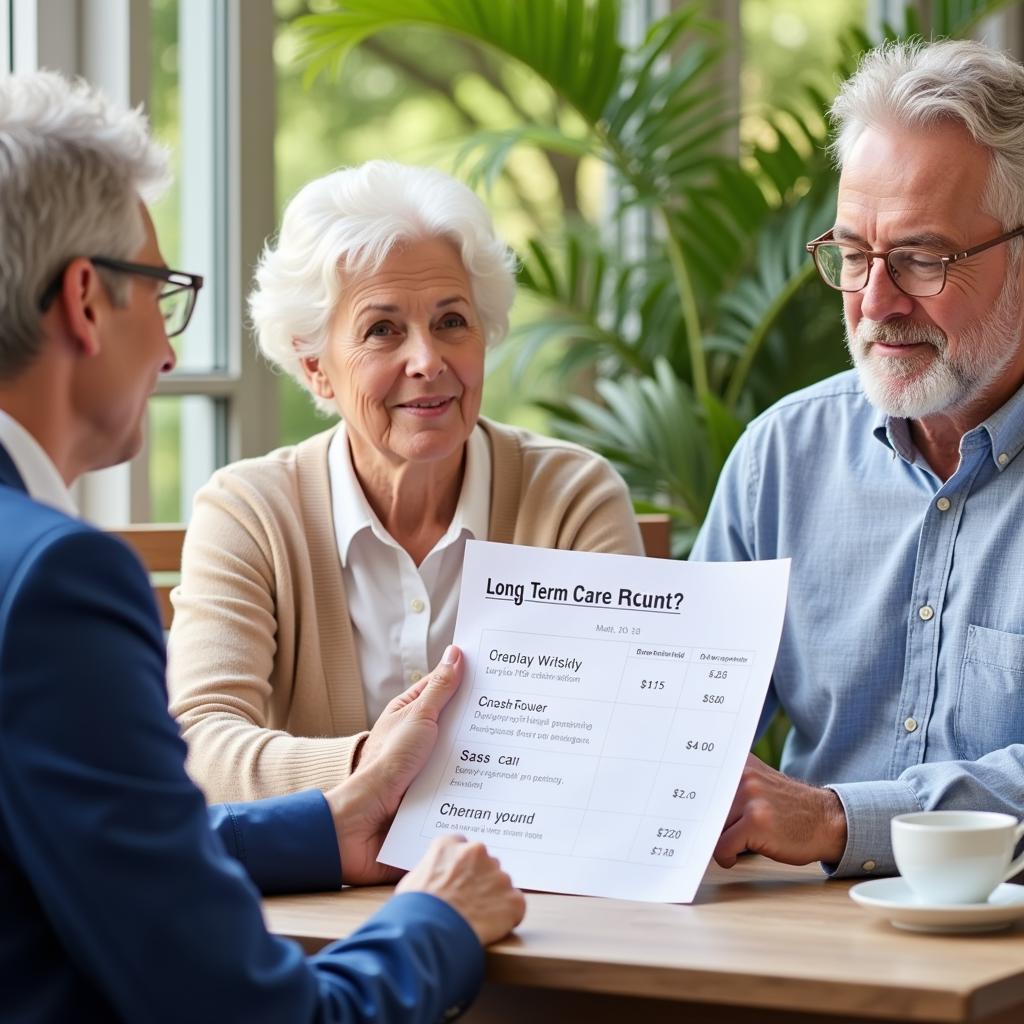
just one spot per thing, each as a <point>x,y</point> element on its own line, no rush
<point>319,383</point>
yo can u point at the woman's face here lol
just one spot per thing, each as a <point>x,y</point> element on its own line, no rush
<point>404,360</point>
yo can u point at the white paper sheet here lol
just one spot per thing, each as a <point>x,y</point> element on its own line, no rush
<point>604,718</point>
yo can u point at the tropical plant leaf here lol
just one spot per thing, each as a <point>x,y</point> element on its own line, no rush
<point>748,310</point>
<point>482,155</point>
<point>656,433</point>
<point>571,44</point>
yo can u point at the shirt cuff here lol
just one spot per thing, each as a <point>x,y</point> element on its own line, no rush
<point>285,843</point>
<point>438,938</point>
<point>870,807</point>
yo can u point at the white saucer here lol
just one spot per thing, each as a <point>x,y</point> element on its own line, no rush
<point>891,898</point>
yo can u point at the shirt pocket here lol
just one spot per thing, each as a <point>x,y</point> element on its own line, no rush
<point>990,694</point>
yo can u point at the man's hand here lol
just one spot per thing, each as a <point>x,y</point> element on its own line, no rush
<point>466,877</point>
<point>781,818</point>
<point>364,804</point>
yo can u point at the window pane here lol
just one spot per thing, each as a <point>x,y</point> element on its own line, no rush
<point>186,444</point>
<point>186,110</point>
<point>5,36</point>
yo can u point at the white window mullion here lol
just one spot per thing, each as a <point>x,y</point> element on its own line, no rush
<point>6,62</point>
<point>203,73</point>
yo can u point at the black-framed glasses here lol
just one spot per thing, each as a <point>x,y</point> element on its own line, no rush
<point>914,270</point>
<point>177,299</point>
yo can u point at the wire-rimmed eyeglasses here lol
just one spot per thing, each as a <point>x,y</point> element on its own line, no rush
<point>177,299</point>
<point>914,270</point>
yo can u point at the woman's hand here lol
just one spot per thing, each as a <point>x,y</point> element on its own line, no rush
<point>393,755</point>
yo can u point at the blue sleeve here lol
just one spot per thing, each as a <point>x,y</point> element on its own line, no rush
<point>115,841</point>
<point>729,535</point>
<point>285,843</point>
<point>991,783</point>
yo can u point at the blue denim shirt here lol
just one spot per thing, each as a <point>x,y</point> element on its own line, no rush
<point>902,658</point>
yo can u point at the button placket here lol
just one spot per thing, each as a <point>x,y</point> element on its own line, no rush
<point>415,624</point>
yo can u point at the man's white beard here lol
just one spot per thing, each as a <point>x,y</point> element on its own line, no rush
<point>908,388</point>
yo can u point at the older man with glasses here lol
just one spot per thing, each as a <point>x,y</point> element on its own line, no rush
<point>896,487</point>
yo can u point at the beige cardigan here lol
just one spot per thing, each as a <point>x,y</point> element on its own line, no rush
<point>263,674</point>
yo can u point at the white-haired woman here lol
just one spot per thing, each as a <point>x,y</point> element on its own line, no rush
<point>320,580</point>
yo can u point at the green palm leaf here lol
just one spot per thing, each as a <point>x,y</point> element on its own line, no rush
<point>571,44</point>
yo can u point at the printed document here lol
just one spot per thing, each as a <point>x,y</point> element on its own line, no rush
<point>604,718</point>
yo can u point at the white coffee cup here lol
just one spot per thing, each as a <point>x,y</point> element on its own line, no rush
<point>956,856</point>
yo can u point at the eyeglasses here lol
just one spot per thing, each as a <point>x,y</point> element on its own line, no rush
<point>177,299</point>
<point>915,271</point>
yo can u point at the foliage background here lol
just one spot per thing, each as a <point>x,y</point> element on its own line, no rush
<point>405,96</point>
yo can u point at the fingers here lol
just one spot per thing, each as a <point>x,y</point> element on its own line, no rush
<point>471,881</point>
<point>731,843</point>
<point>440,685</point>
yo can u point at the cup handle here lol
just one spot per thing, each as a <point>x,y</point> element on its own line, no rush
<point>1018,865</point>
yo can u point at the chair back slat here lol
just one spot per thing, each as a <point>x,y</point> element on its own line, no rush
<point>158,546</point>
<point>656,533</point>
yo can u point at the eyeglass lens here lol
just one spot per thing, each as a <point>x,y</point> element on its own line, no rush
<point>914,271</point>
<point>176,307</point>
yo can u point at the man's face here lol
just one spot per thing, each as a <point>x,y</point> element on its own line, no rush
<point>135,351</point>
<point>955,351</point>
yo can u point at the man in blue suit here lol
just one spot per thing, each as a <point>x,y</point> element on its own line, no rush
<point>120,902</point>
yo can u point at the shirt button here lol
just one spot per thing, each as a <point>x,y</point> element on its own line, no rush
<point>417,605</point>
<point>943,504</point>
<point>1003,459</point>
<point>414,676</point>
<point>868,865</point>
<point>910,725</point>
<point>926,612</point>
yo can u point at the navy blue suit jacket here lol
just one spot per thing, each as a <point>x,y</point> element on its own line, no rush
<point>118,901</point>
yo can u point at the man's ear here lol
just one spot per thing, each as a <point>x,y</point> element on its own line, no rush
<point>318,381</point>
<point>83,299</point>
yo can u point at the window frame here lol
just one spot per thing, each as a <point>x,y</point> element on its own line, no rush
<point>227,220</point>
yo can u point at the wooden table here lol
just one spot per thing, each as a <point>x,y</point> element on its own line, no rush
<point>762,942</point>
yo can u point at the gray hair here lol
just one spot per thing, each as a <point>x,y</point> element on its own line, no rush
<point>73,167</point>
<point>917,85</point>
<point>351,220</point>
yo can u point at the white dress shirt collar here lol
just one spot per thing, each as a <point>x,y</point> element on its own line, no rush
<point>38,473</point>
<point>352,512</point>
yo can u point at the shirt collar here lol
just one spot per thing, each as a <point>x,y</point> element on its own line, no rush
<point>353,514</point>
<point>36,468</point>
<point>1003,432</point>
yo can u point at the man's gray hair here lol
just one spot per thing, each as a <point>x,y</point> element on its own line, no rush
<point>350,221</point>
<point>73,167</point>
<point>917,85</point>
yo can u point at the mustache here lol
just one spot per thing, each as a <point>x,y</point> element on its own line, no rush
<point>900,332</point>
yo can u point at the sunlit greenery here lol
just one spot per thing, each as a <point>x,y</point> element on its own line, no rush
<point>397,99</point>
<point>417,95</point>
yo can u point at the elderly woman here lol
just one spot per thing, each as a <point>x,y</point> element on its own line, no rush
<point>320,580</point>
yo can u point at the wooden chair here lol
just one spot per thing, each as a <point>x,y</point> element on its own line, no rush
<point>656,533</point>
<point>158,546</point>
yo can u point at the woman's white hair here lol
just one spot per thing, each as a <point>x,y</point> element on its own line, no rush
<point>918,85</point>
<point>349,221</point>
<point>73,167</point>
